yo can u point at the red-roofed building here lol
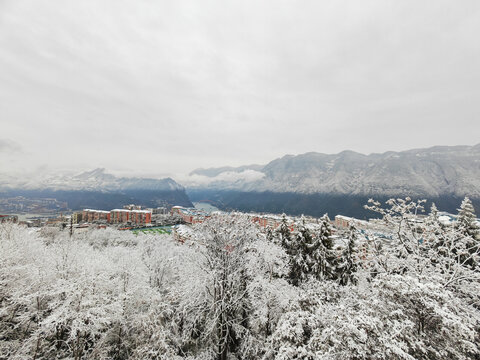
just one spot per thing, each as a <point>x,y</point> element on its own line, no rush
<point>8,218</point>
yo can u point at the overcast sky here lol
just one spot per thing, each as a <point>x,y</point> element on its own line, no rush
<point>164,87</point>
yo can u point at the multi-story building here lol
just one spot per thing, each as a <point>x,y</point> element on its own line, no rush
<point>141,216</point>
<point>161,210</point>
<point>190,215</point>
<point>90,215</point>
<point>119,216</point>
<point>115,216</point>
<point>77,217</point>
<point>272,221</point>
<point>343,221</point>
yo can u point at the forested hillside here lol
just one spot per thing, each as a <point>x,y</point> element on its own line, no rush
<point>234,290</point>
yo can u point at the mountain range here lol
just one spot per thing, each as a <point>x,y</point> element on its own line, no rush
<point>97,179</point>
<point>98,189</point>
<point>421,172</point>
<point>332,182</point>
<point>311,183</point>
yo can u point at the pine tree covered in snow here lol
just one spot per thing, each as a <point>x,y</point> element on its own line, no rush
<point>325,258</point>
<point>297,249</point>
<point>469,244</point>
<point>467,221</point>
<point>284,232</point>
<point>311,252</point>
<point>348,265</point>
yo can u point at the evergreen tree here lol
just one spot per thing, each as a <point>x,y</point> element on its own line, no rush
<point>432,229</point>
<point>284,232</point>
<point>468,247</point>
<point>348,266</point>
<point>467,221</point>
<point>297,248</point>
<point>311,255</point>
<point>269,234</point>
<point>326,232</point>
<point>434,244</point>
<point>293,245</point>
<point>325,258</point>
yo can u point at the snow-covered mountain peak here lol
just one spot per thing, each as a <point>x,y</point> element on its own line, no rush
<point>96,180</point>
<point>453,170</point>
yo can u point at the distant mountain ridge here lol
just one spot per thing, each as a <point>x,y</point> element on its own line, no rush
<point>98,180</point>
<point>431,172</point>
<point>98,189</point>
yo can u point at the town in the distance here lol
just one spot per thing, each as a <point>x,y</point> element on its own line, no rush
<point>176,219</point>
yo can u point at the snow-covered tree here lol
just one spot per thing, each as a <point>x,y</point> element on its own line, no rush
<point>283,232</point>
<point>395,317</point>
<point>225,294</point>
<point>218,314</point>
<point>467,221</point>
<point>311,252</point>
<point>424,245</point>
<point>291,339</point>
<point>401,215</point>
<point>296,247</point>
<point>468,226</point>
<point>348,264</point>
<point>323,254</point>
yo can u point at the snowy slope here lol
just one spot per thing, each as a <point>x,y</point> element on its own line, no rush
<point>434,172</point>
<point>96,180</point>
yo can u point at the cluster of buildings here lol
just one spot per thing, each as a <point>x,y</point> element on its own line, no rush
<point>8,219</point>
<point>272,221</point>
<point>190,215</point>
<point>20,204</point>
<point>133,215</point>
<point>35,221</point>
<point>130,216</point>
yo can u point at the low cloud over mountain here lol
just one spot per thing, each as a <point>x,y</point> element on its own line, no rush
<point>421,172</point>
<point>98,189</point>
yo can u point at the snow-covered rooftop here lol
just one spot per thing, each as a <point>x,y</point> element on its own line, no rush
<point>99,211</point>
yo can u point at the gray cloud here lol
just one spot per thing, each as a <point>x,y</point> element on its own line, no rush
<point>8,146</point>
<point>171,86</point>
<point>245,176</point>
